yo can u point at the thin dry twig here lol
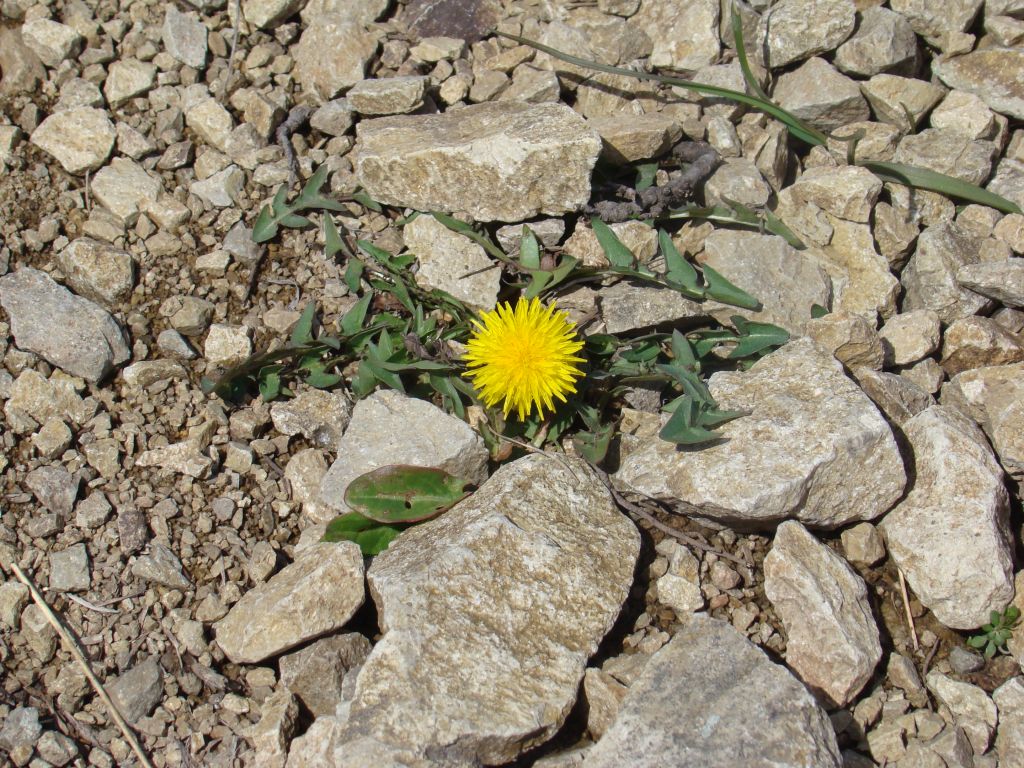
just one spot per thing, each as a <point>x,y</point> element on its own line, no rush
<point>906,608</point>
<point>930,656</point>
<point>86,604</point>
<point>69,643</point>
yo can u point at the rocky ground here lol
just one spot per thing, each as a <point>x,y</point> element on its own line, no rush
<point>805,591</point>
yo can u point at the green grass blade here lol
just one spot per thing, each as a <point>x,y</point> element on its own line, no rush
<point>796,126</point>
<point>923,178</point>
<point>741,53</point>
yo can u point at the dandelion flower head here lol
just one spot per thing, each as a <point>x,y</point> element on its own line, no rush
<point>523,357</point>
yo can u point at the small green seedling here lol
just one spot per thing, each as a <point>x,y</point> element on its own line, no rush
<point>994,635</point>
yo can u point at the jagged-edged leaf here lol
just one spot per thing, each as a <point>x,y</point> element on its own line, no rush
<point>402,493</point>
<point>372,537</point>
<point>529,249</point>
<point>302,333</point>
<point>333,242</point>
<point>681,428</point>
<point>720,289</point>
<point>618,254</point>
<point>756,337</point>
<point>678,269</point>
<point>593,446</point>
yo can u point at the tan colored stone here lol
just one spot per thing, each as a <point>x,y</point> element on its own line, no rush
<point>976,342</point>
<point>994,74</point>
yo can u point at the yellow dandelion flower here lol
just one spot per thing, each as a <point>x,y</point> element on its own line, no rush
<point>523,357</point>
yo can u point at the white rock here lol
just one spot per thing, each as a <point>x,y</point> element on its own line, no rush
<point>332,55</point>
<point>910,336</point>
<point>819,94</point>
<point>527,574</point>
<point>684,33</point>
<point>389,427</point>
<point>221,190</point>
<point>51,41</point>
<point>128,78</point>
<point>972,709</point>
<point>211,122</point>
<point>884,41</point>
<point>313,596</point>
<point>184,37</point>
<point>80,139</point>
<point>679,587</point>
<point>227,345</point>
<point>929,279</point>
<point>267,14</point>
<point>125,189</point>
<point>833,641</point>
<point>796,29</point>
<point>452,263</point>
<point>814,449</point>
<point>951,535</point>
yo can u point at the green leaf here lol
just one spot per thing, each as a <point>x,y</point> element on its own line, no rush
<point>678,269</point>
<point>443,386</point>
<point>364,381</point>
<point>818,311</point>
<point>618,254</point>
<point>302,333</point>
<point>756,337</point>
<point>401,493</point>
<point>264,228</point>
<point>372,537</point>
<point>333,243</point>
<point>270,382</point>
<point>923,178</point>
<point>354,318</point>
<point>977,641</point>
<point>354,273</point>
<point>741,54</point>
<point>683,352</point>
<point>722,290</point>
<point>539,278</point>
<point>529,249</point>
<point>645,175</point>
<point>565,266</point>
<point>680,427</point>
<point>593,446</point>
<point>321,379</point>
<point>366,201</point>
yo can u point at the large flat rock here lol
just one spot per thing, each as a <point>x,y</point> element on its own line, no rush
<point>996,75</point>
<point>710,698</point>
<point>814,448</point>
<point>951,534</point>
<point>489,615</point>
<point>505,161</point>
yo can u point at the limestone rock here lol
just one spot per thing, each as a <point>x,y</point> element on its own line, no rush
<point>389,427</point>
<point>211,122</point>
<point>994,398</point>
<point>1008,181</point>
<point>679,587</point>
<point>267,14</point>
<point>317,415</point>
<point>817,93</point>
<point>639,238</point>
<point>684,34</point>
<point>139,690</point>
<point>999,280</point>
<point>785,280</point>
<point>975,342</point>
<point>796,29</point>
<point>932,21</point>
<point>505,161</point>
<point>967,113</point>
<point>814,449</point>
<point>627,306</point>
<point>833,641</point>
<point>52,41</point>
<point>529,572</point>
<point>65,329</point>
<point>452,263</point>
<point>272,734</point>
<point>902,101</point>
<point>994,74</point>
<point>910,336</point>
<point>884,42</point>
<point>54,487</point>
<point>316,673</point>
<point>951,535</point>
<point>161,566</point>
<point>125,189</point>
<point>851,338</point>
<point>97,270</point>
<point>332,55</point>
<point>949,152</point>
<point>737,180</point>
<point>80,139</point>
<point>929,279</point>
<point>388,95</point>
<point>863,545</point>
<point>21,67</point>
<point>313,596</point>
<point>972,709</point>
<point>184,37</point>
<point>628,138</point>
<point>127,79</point>
<point>733,697</point>
<point>69,569</point>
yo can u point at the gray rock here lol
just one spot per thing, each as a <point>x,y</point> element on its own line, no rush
<point>964,661</point>
<point>92,511</point>
<point>182,458</point>
<point>333,118</point>
<point>852,339</point>
<point>316,673</point>
<point>332,55</point>
<point>312,597</point>
<point>211,122</point>
<point>505,161</point>
<point>452,263</point>
<point>638,237</point>
<point>172,343</point>
<point>814,449</point>
<point>951,535</point>
<point>1009,699</point>
<point>161,566</point>
<point>80,139</point>
<point>929,279</point>
<point>38,633</point>
<point>98,271</point>
<point>20,728</point>
<point>56,748</point>
<point>679,587</point>
<point>737,180</point>
<point>819,94</point>
<point>128,78</point>
<point>994,74</point>
<point>193,315</point>
<point>69,569</point>
<point>949,152</point>
<point>627,306</point>
<point>388,95</point>
<point>52,41</point>
<point>227,345</point>
<point>786,281</point>
<point>884,42</point>
<point>13,598</point>
<point>549,232</point>
<point>796,29</point>
<point>319,416</point>
<point>529,572</point>
<point>967,113</point>
<point>684,35</point>
<point>80,93</point>
<point>1008,181</point>
<point>125,189</point>
<point>221,190</point>
<point>267,14</point>
<point>184,37</point>
<point>932,21</point>
<point>136,692</point>
<point>629,138</point>
<point>832,639</point>
<point>279,714</point>
<point>145,373</point>
<point>389,427</point>
<point>54,487</point>
<point>23,71</point>
<point>971,707</point>
<point>238,242</point>
<point>999,280</point>
<point>734,697</point>
<point>901,101</point>
<point>848,192</point>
